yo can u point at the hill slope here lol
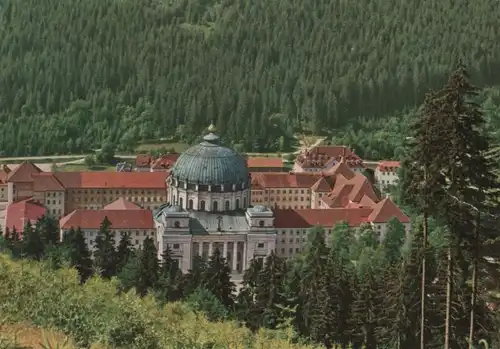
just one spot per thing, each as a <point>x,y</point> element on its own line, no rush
<point>75,73</point>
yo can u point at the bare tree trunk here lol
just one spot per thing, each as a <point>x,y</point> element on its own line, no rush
<point>423,294</point>
<point>475,262</point>
<point>449,292</point>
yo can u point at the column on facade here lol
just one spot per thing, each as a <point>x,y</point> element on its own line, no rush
<point>200,248</point>
<point>224,251</point>
<point>244,261</point>
<point>235,255</point>
<point>210,249</point>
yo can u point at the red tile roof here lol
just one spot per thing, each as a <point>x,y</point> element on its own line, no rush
<point>388,166</point>
<point>318,157</point>
<point>143,160</point>
<point>104,179</point>
<point>285,179</point>
<point>306,218</point>
<point>263,162</point>
<point>120,219</point>
<point>122,204</point>
<point>354,214</point>
<point>23,172</point>
<point>384,210</point>
<point>46,181</point>
<point>18,213</point>
<point>165,162</point>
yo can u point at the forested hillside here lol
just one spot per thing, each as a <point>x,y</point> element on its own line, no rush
<point>75,73</point>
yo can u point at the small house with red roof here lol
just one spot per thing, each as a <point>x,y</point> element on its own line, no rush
<point>322,158</point>
<point>386,173</point>
<point>22,212</point>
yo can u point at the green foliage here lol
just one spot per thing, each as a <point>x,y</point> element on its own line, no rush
<point>130,71</point>
<point>105,253</point>
<point>205,301</point>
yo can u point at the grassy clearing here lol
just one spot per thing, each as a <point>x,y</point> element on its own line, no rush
<point>83,167</point>
<point>265,155</point>
<point>24,336</point>
<point>179,147</point>
<point>42,160</point>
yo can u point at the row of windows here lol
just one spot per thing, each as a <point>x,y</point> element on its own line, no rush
<point>281,191</point>
<point>110,199</point>
<point>118,233</point>
<point>110,191</point>
<point>215,204</point>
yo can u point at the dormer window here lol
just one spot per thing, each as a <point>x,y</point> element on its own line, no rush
<point>177,224</point>
<point>261,224</point>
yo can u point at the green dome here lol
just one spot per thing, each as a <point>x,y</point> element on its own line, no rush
<point>209,163</point>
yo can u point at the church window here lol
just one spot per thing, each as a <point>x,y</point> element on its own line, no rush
<point>173,200</point>
<point>261,224</point>
<point>244,202</point>
<point>215,207</point>
<point>177,224</point>
<point>260,245</point>
<point>180,202</point>
<point>202,205</point>
<point>227,205</point>
<point>237,204</point>
<point>190,204</point>
<point>176,246</point>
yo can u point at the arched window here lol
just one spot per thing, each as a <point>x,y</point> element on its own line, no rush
<point>237,204</point>
<point>180,202</point>
<point>173,200</point>
<point>190,204</point>
<point>227,205</point>
<point>261,224</point>
<point>177,224</point>
<point>244,202</point>
<point>215,206</point>
<point>202,205</point>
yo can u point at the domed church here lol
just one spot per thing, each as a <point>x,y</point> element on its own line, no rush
<point>209,177</point>
<point>208,198</point>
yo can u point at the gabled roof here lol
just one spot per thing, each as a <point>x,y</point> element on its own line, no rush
<point>320,156</point>
<point>46,181</point>
<point>306,218</point>
<point>18,213</point>
<point>143,160</point>
<point>285,179</point>
<point>122,204</point>
<point>384,210</point>
<point>23,172</point>
<point>263,162</point>
<point>120,219</point>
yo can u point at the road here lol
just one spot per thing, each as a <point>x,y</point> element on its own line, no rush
<point>58,157</point>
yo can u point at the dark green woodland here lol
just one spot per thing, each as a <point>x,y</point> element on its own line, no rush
<point>77,73</point>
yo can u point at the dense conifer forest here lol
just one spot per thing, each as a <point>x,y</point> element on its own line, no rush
<point>75,74</point>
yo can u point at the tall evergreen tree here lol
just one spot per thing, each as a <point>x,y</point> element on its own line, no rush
<point>170,285</point>
<point>48,229</point>
<point>217,279</point>
<point>78,253</point>
<point>148,267</point>
<point>15,243</point>
<point>32,243</point>
<point>129,274</point>
<point>194,278</point>
<point>123,251</point>
<point>394,240</point>
<point>105,253</point>
<point>246,308</point>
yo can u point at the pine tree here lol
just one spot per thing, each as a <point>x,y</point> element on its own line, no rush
<point>148,267</point>
<point>194,277</point>
<point>246,308</point>
<point>129,274</point>
<point>314,265</point>
<point>105,253</point>
<point>15,244</point>
<point>217,279</point>
<point>268,291</point>
<point>79,254</point>
<point>123,251</point>
<point>32,243</point>
<point>394,240</point>
<point>48,229</point>
<point>169,287</point>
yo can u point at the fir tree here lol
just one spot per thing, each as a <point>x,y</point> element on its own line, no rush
<point>194,277</point>
<point>217,279</point>
<point>268,291</point>
<point>105,253</point>
<point>78,254</point>
<point>246,308</point>
<point>394,240</point>
<point>148,267</point>
<point>129,274</point>
<point>15,243</point>
<point>169,287</point>
<point>32,243</point>
<point>48,228</point>
<point>123,251</point>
